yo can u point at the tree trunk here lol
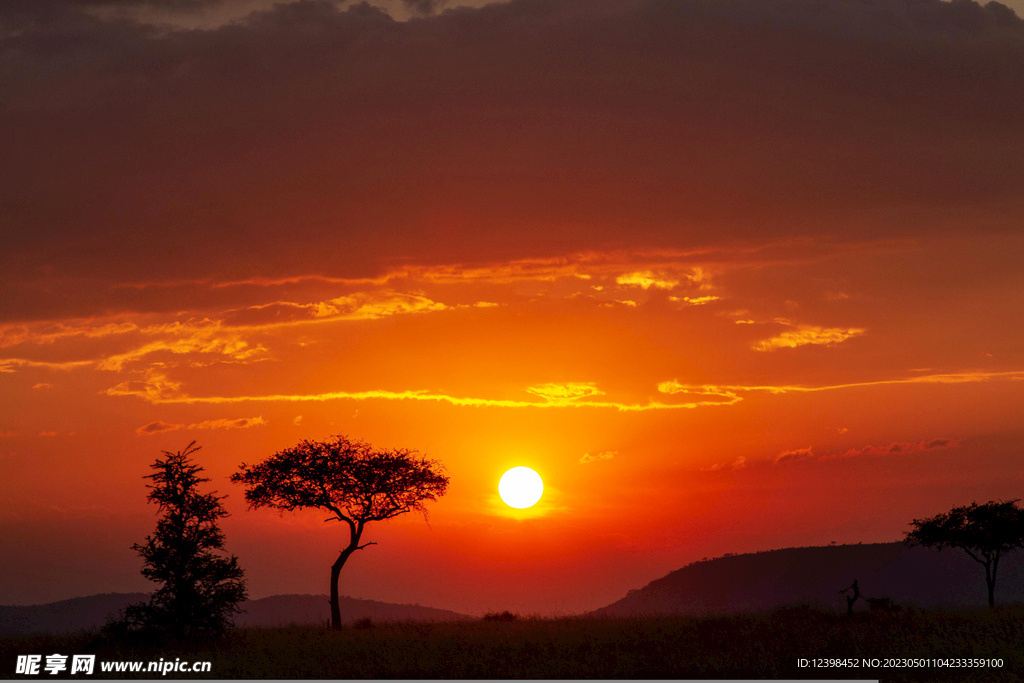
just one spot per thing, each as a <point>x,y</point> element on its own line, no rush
<point>991,583</point>
<point>335,572</point>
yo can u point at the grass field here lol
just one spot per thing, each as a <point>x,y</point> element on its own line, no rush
<point>738,646</point>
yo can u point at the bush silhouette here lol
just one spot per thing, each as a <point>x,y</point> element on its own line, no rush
<point>500,616</point>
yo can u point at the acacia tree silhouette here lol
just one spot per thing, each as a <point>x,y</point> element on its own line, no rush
<point>201,589</point>
<point>985,532</point>
<point>348,478</point>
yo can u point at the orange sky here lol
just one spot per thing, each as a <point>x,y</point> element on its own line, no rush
<point>720,302</point>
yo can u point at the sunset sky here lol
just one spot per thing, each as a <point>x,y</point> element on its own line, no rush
<point>731,275</point>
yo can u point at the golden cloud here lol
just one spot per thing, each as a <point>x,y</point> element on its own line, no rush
<point>728,394</point>
<point>157,389</point>
<point>570,391</point>
<point>645,279</point>
<point>694,301</point>
<point>808,334</point>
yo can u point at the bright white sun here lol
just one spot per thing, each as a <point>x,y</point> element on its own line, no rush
<point>520,487</point>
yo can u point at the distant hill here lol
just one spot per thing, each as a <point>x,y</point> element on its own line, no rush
<point>66,616</point>
<point>80,614</point>
<point>910,576</point>
<point>282,610</point>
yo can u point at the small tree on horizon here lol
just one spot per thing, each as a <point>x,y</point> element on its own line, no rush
<point>201,589</point>
<point>985,532</point>
<point>349,479</point>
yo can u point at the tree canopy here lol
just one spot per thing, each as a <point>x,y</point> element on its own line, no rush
<point>349,478</point>
<point>984,532</point>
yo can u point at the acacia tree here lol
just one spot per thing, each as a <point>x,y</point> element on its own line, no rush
<point>984,532</point>
<point>201,589</point>
<point>348,478</point>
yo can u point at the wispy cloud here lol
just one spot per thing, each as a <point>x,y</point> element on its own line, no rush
<point>794,454</point>
<point>733,391</point>
<point>11,365</point>
<point>896,448</point>
<point>159,426</point>
<point>50,332</point>
<point>605,455</point>
<point>156,388</point>
<point>737,464</point>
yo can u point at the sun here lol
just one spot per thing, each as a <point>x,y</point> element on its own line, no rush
<point>520,487</point>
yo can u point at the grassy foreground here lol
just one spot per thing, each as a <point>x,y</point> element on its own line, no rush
<point>738,646</point>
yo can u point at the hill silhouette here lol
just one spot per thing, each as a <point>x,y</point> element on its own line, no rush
<point>814,575</point>
<point>80,614</point>
<point>282,610</point>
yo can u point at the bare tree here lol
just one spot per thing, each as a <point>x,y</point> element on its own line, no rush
<point>984,532</point>
<point>350,479</point>
<point>854,591</point>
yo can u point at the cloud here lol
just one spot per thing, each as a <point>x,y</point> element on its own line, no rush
<point>159,426</point>
<point>47,433</point>
<point>357,306</point>
<point>11,365</point>
<point>157,389</point>
<point>606,455</point>
<point>645,279</point>
<point>695,301</point>
<point>808,334</point>
<point>728,155</point>
<point>896,448</point>
<point>424,8</point>
<point>674,386</point>
<point>192,337</point>
<point>42,385</point>
<point>794,455</point>
<point>737,464</point>
<point>732,392</point>
<point>51,332</point>
<point>297,421</point>
<point>569,391</point>
<point>727,394</point>
<point>224,423</point>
